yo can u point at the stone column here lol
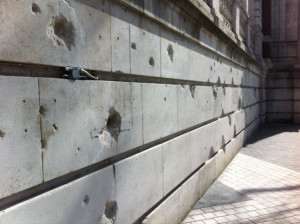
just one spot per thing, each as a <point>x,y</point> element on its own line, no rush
<point>236,20</point>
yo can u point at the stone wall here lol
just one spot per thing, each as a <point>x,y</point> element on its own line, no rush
<point>180,90</point>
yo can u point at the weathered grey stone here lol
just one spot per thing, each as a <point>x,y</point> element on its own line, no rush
<point>190,193</point>
<point>144,52</point>
<point>167,212</point>
<point>174,56</point>
<point>84,122</point>
<point>139,184</point>
<point>207,175</point>
<point>84,200</point>
<point>189,106</point>
<point>159,111</point>
<point>176,156</point>
<point>120,46</point>
<point>20,144</point>
<point>58,34</point>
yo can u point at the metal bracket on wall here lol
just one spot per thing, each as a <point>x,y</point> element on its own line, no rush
<point>77,73</point>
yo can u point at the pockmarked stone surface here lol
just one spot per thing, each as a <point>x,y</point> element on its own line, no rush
<point>261,185</point>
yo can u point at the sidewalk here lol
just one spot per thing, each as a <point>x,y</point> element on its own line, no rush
<point>261,185</point>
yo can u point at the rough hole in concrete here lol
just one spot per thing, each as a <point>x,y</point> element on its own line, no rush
<point>223,141</point>
<point>215,91</point>
<point>118,38</point>
<point>192,90</point>
<point>110,212</point>
<point>240,103</point>
<point>25,130</point>
<point>54,100</point>
<point>24,101</point>
<point>100,36</point>
<point>55,127</point>
<point>42,111</point>
<point>133,45</point>
<point>35,8</point>
<point>165,98</point>
<point>61,31</point>
<point>151,61</point>
<point>78,149</point>
<point>111,130</point>
<point>170,52</point>
<point>2,133</point>
<point>44,144</point>
<point>85,201</point>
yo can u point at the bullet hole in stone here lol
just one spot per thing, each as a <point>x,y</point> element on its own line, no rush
<point>54,100</point>
<point>240,103</point>
<point>151,61</point>
<point>165,99</point>
<point>219,80</point>
<point>133,45</point>
<point>110,212</point>
<point>215,92</point>
<point>35,8</point>
<point>110,132</point>
<point>192,90</point>
<point>55,127</point>
<point>100,37</point>
<point>211,152</point>
<point>61,31</point>
<point>118,38</point>
<point>24,101</point>
<point>25,130</point>
<point>42,111</point>
<point>44,143</point>
<point>170,52</point>
<point>2,133</point>
<point>85,201</point>
<point>78,149</point>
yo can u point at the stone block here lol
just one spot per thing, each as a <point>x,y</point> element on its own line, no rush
<point>174,56</point>
<point>177,161</point>
<point>207,175</point>
<point>280,94</point>
<point>189,106</point>
<point>56,33</point>
<point>139,184</point>
<point>296,93</point>
<point>238,121</point>
<point>280,106</point>
<point>198,63</point>
<point>199,147</point>
<point>190,194</point>
<point>20,135</point>
<point>120,45</point>
<point>159,111</point>
<point>144,52</point>
<point>90,199</point>
<point>207,103</point>
<point>167,212</point>
<point>84,122</point>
